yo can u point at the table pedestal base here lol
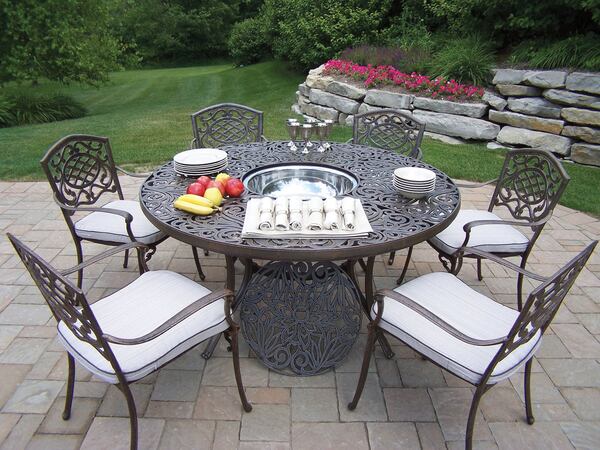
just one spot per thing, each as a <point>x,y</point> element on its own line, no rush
<point>300,318</point>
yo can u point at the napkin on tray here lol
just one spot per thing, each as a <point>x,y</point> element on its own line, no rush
<point>331,207</point>
<point>265,221</point>
<point>295,207</point>
<point>348,211</point>
<point>281,214</point>
<point>315,217</point>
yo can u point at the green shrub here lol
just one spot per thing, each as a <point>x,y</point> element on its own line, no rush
<point>468,60</point>
<point>581,52</point>
<point>27,108</point>
<point>7,118</point>
<point>249,41</point>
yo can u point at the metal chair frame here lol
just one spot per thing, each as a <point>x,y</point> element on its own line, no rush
<point>392,130</point>
<point>530,185</point>
<point>226,123</point>
<point>535,315</point>
<point>80,169</point>
<point>68,304</point>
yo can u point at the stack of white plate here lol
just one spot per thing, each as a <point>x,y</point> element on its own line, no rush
<point>200,161</point>
<point>414,182</point>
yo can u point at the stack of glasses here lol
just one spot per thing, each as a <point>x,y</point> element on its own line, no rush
<point>305,130</point>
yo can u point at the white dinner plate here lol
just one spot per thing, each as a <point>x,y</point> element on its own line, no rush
<point>200,156</point>
<point>418,174</point>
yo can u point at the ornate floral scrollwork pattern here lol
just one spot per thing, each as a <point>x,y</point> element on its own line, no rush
<point>390,130</point>
<point>397,221</point>
<point>65,301</point>
<point>81,169</point>
<point>530,184</point>
<point>226,124</point>
<point>301,318</point>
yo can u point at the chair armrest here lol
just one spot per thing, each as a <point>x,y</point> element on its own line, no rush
<point>263,138</point>
<point>110,252</point>
<point>127,216</point>
<point>476,223</point>
<point>436,320</point>
<point>193,143</point>
<point>475,185</point>
<point>132,174</point>
<point>501,261</point>
<point>173,321</point>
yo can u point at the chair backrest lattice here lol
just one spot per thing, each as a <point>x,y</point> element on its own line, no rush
<point>226,123</point>
<point>389,129</point>
<point>67,302</point>
<point>80,168</point>
<point>542,305</point>
<point>530,184</point>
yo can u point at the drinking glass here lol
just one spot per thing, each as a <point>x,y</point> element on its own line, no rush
<point>305,133</point>
<point>322,133</point>
<point>329,127</point>
<point>293,127</point>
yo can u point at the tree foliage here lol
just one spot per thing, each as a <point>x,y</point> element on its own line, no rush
<point>62,40</point>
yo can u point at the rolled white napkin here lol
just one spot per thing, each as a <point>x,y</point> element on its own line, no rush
<point>265,221</point>
<point>348,211</point>
<point>295,208</point>
<point>281,214</point>
<point>315,214</point>
<point>331,222</point>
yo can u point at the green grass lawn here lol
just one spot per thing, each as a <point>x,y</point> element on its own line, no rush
<point>145,113</point>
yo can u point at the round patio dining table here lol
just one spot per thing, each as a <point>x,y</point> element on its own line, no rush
<point>301,312</point>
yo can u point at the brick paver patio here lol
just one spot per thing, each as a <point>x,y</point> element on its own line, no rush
<point>192,403</point>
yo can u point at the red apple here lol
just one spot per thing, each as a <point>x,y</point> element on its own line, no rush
<point>234,187</point>
<point>203,180</point>
<point>196,189</point>
<point>218,185</point>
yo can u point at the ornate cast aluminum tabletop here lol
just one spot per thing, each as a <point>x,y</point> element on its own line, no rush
<point>309,325</point>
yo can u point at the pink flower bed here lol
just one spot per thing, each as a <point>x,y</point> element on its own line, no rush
<point>414,82</point>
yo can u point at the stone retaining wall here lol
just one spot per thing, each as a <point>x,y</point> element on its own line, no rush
<point>555,110</point>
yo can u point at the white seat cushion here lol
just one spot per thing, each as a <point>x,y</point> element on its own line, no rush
<point>489,238</point>
<point>139,308</point>
<point>466,310</point>
<point>111,227</point>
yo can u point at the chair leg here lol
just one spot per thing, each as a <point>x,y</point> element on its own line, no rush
<point>365,367</point>
<point>479,274</point>
<point>79,261</point>
<point>132,415</point>
<point>520,282</point>
<point>405,268</point>
<point>126,259</point>
<point>197,261</point>
<point>210,346</point>
<point>391,258</point>
<point>66,415</point>
<point>206,253</point>
<point>362,264</point>
<point>472,414</point>
<point>236,368</point>
<point>527,386</point>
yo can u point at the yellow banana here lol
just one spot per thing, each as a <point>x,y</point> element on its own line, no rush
<point>197,200</point>
<point>193,208</point>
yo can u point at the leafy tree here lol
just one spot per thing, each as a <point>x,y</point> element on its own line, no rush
<point>62,40</point>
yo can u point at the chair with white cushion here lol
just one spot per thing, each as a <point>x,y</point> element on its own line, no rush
<point>468,334</point>
<point>529,187</point>
<point>80,169</point>
<point>127,335</point>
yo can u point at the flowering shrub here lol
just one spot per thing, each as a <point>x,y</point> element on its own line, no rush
<point>387,75</point>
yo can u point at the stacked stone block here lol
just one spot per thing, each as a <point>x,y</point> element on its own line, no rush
<point>552,109</point>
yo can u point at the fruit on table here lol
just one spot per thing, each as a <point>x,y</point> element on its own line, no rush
<point>196,189</point>
<point>234,187</point>
<point>214,195</point>
<point>218,185</point>
<point>222,177</point>
<point>203,180</point>
<point>198,200</point>
<point>193,208</point>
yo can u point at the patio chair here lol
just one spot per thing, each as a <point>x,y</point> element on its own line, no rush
<point>470,335</point>
<point>80,169</point>
<point>392,130</point>
<point>226,123</point>
<point>127,335</point>
<point>529,187</point>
